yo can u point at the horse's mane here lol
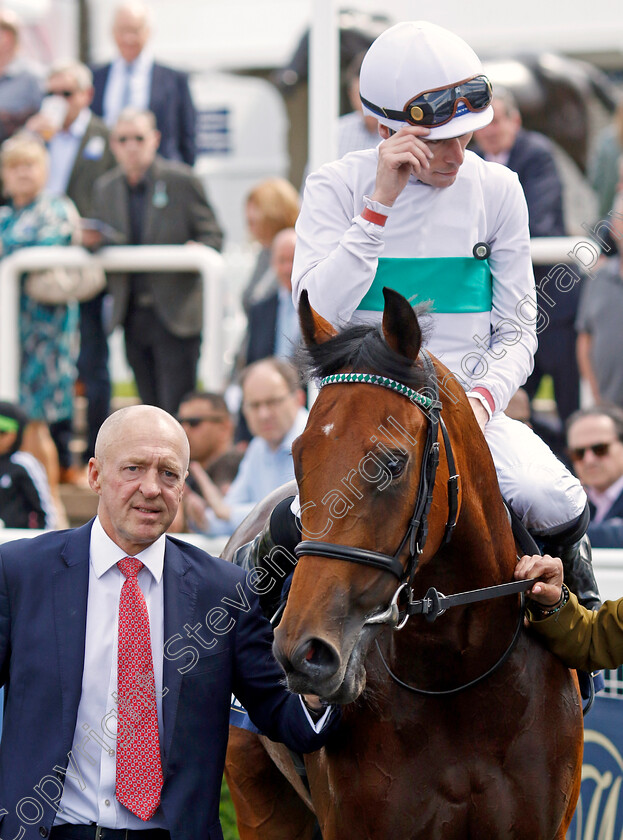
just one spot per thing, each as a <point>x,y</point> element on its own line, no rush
<point>360,349</point>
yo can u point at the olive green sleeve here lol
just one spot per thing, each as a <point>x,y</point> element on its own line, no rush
<point>584,639</point>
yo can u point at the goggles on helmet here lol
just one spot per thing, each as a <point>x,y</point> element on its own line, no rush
<point>437,107</point>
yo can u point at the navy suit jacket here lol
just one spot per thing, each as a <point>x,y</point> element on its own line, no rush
<point>43,608</point>
<point>262,328</point>
<point>609,532</point>
<point>172,104</point>
<point>532,159</point>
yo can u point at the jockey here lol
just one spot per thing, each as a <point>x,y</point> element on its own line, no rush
<point>424,216</point>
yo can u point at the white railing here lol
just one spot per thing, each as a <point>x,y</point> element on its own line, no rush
<point>213,545</point>
<point>554,249</point>
<point>199,258</point>
<point>138,258</point>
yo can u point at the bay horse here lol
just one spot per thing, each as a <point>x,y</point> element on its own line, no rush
<point>456,728</point>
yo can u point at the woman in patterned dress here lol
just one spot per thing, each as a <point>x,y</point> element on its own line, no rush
<point>47,333</point>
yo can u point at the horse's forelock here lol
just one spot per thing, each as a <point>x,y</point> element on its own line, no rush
<point>360,348</point>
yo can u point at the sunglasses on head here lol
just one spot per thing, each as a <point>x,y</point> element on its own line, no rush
<point>437,107</point>
<point>600,450</point>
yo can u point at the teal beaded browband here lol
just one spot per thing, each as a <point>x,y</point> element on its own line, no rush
<point>384,382</point>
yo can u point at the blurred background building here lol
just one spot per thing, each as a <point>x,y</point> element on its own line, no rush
<point>248,64</point>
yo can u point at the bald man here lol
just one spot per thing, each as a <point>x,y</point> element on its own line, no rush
<point>120,649</point>
<point>135,80</point>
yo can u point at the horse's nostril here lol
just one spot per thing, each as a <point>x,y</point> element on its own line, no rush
<point>316,657</point>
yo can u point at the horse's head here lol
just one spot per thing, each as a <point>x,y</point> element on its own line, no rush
<point>358,466</point>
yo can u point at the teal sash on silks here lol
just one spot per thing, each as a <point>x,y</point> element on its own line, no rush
<point>451,284</point>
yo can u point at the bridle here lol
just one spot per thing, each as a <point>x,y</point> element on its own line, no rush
<point>434,602</point>
<point>417,530</point>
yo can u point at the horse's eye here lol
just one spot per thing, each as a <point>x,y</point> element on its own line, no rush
<point>396,465</point>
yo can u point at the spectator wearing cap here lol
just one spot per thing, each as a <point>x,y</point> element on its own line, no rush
<point>21,90</point>
<point>595,445</point>
<point>25,500</point>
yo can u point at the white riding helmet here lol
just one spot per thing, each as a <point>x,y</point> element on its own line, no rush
<point>417,73</point>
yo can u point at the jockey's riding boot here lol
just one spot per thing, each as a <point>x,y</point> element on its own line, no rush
<point>273,552</point>
<point>574,549</point>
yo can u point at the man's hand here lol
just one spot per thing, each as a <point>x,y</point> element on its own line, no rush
<point>210,492</point>
<point>480,412</point>
<point>315,706</point>
<point>548,588</point>
<point>400,156</point>
<point>314,702</point>
<point>195,509</point>
<point>42,125</point>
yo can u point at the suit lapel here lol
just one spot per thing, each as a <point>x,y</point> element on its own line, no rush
<point>155,94</point>
<point>616,510</point>
<point>75,170</point>
<point>70,591</point>
<point>180,597</point>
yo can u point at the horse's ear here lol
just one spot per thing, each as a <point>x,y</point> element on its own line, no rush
<point>314,328</point>
<point>400,325</point>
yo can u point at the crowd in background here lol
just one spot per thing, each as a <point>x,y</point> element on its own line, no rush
<point>104,157</point>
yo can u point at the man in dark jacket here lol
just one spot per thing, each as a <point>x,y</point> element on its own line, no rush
<point>120,648</point>
<point>531,156</point>
<point>595,445</point>
<point>135,80</point>
<point>152,201</point>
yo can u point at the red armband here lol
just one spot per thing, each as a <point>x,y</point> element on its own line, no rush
<point>376,218</point>
<point>485,393</point>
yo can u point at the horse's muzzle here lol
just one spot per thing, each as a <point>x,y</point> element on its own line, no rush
<point>314,659</point>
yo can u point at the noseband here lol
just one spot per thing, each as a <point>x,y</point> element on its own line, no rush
<point>417,530</point>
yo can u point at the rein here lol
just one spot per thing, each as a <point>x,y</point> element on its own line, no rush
<point>450,691</point>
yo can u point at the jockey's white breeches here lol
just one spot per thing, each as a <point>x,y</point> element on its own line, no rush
<point>539,488</point>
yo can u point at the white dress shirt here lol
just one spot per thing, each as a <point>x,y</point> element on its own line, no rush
<point>92,799</point>
<point>63,148</point>
<point>261,471</point>
<point>604,500</point>
<point>140,86</point>
<point>287,327</point>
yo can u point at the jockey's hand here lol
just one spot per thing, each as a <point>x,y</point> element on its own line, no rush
<point>400,156</point>
<point>548,588</point>
<point>480,412</point>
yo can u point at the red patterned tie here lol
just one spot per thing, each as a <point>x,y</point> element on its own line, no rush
<point>139,772</point>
